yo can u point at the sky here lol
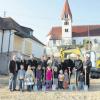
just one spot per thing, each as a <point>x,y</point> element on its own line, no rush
<point>41,15</point>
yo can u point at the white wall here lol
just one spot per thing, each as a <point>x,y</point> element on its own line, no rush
<point>6,40</point>
<point>37,49</point>
<point>0,39</point>
<point>66,36</point>
<point>79,40</point>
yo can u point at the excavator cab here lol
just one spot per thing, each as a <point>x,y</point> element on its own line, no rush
<point>65,52</point>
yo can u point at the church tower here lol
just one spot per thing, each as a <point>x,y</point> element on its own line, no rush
<point>66,18</point>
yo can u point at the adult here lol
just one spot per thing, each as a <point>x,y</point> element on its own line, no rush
<point>68,65</point>
<point>44,65</point>
<point>78,67</point>
<point>24,63</point>
<point>12,74</point>
<point>33,63</point>
<point>88,65</point>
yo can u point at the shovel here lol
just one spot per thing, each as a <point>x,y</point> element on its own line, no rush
<point>85,86</point>
<point>70,86</point>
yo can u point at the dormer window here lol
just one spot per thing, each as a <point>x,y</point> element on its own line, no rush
<point>31,33</point>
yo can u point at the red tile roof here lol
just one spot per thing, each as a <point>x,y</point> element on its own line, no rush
<point>77,31</point>
<point>66,10</point>
<point>55,33</point>
<point>85,30</point>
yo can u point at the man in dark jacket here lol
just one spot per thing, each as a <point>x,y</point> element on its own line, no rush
<point>68,65</point>
<point>88,65</point>
<point>78,67</point>
<point>33,63</point>
<point>12,74</point>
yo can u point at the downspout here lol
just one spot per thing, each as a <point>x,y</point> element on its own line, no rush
<point>9,42</point>
<point>2,41</point>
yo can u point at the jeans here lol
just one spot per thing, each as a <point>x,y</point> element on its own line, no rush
<point>60,84</point>
<point>29,87</point>
<point>12,81</point>
<point>55,81</point>
<point>81,85</point>
<point>77,76</point>
<point>21,84</point>
<point>39,85</point>
<point>48,84</point>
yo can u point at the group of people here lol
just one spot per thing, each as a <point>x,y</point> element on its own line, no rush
<point>47,73</point>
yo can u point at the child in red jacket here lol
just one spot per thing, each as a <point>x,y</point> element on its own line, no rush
<point>48,78</point>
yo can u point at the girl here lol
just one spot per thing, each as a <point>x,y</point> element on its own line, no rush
<point>29,76</point>
<point>65,83</point>
<point>61,79</point>
<point>48,78</point>
<point>39,77</point>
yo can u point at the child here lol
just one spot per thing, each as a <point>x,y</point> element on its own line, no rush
<point>29,76</point>
<point>65,83</point>
<point>81,80</point>
<point>48,78</point>
<point>39,77</point>
<point>61,79</point>
<point>21,77</point>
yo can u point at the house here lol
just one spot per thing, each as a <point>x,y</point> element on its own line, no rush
<point>67,34</point>
<point>18,40</point>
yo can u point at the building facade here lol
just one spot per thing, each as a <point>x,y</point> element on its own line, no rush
<point>17,40</point>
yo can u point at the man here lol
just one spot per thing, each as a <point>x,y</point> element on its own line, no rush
<point>12,74</point>
<point>88,65</point>
<point>78,67</point>
<point>33,63</point>
<point>68,65</point>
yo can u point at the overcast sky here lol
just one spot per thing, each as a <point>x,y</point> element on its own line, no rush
<point>41,15</point>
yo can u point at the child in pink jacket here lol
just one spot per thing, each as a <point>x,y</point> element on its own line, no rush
<point>48,78</point>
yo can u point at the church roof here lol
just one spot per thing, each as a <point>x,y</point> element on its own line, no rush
<point>66,10</point>
<point>77,31</point>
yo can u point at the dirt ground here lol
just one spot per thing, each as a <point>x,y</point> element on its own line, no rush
<point>92,94</point>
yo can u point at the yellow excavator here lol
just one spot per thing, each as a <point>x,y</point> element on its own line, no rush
<point>95,71</point>
<point>65,52</point>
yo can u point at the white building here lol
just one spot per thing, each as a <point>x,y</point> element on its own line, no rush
<point>18,40</point>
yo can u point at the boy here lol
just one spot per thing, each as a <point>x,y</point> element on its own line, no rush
<point>21,77</point>
<point>81,80</point>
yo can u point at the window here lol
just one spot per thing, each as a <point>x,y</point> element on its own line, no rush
<point>66,15</point>
<point>74,42</point>
<point>54,42</point>
<point>66,30</point>
<point>66,23</point>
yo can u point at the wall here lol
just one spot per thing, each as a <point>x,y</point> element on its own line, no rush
<point>27,49</point>
<point>18,43</point>
<point>79,40</point>
<point>66,36</point>
<point>37,49</point>
<point>6,40</point>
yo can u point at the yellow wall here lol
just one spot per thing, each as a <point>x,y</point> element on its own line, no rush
<point>18,43</point>
<point>22,45</point>
<point>28,47</point>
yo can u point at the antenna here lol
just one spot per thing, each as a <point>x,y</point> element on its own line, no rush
<point>4,14</point>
